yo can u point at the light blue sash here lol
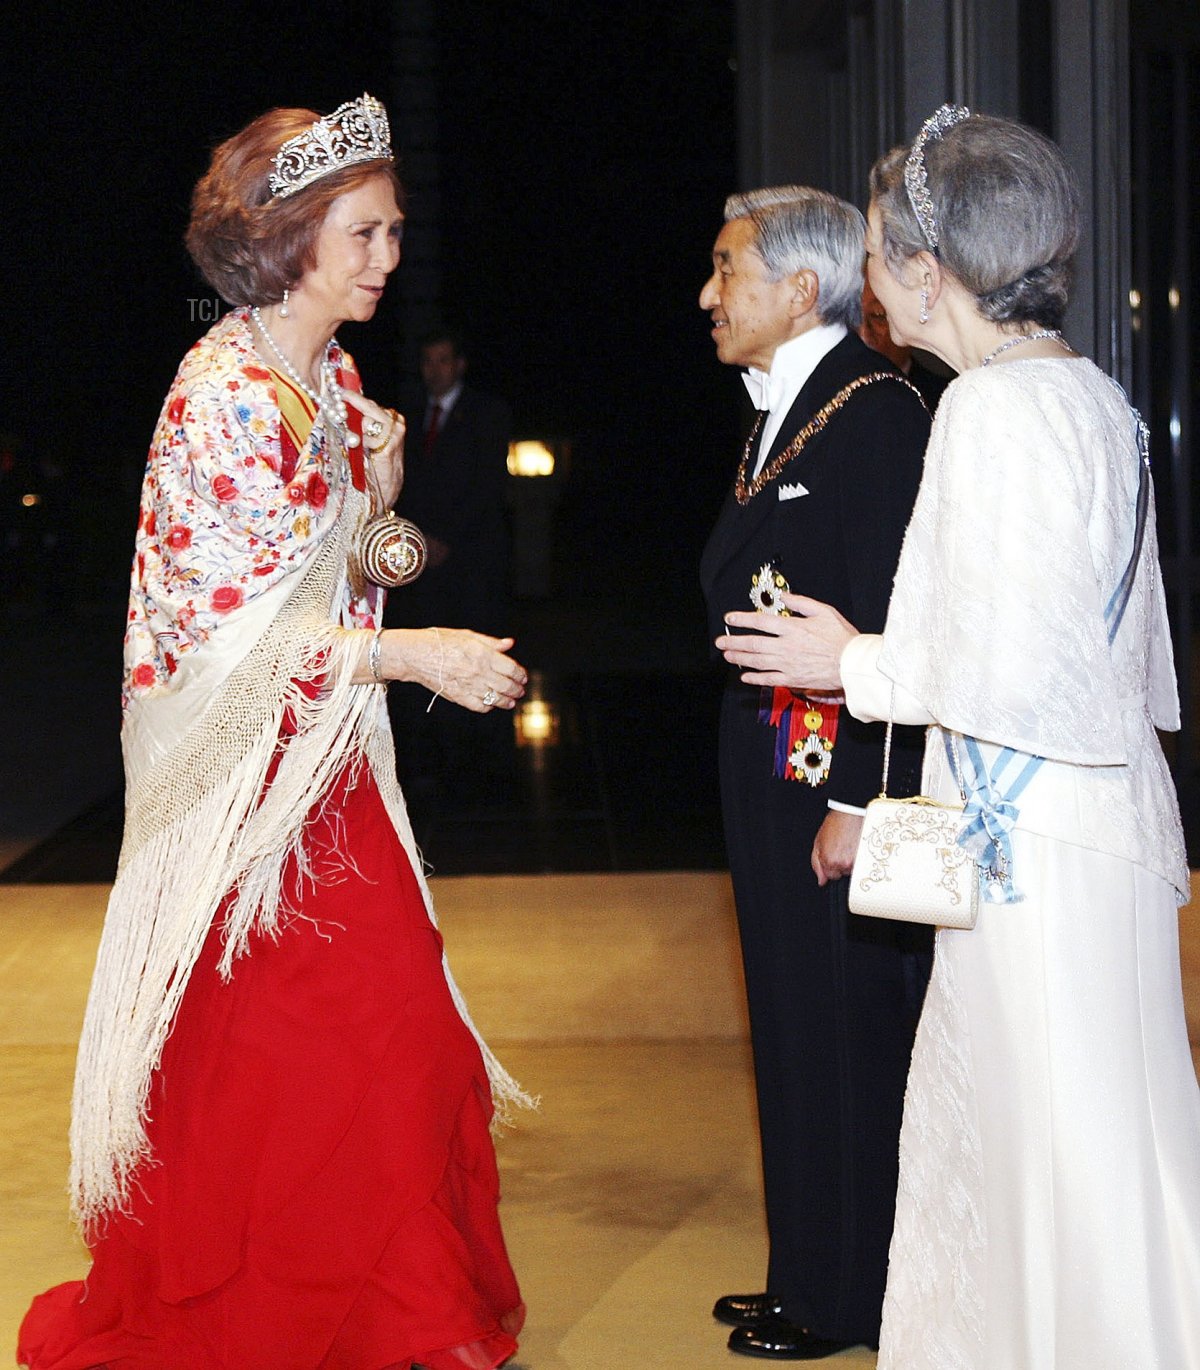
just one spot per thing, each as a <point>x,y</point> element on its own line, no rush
<point>991,810</point>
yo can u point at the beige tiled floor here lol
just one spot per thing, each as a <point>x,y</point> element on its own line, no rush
<point>631,1198</point>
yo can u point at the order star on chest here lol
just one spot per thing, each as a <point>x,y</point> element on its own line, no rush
<point>768,585</point>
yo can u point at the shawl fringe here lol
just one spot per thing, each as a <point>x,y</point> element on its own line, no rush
<point>203,824</point>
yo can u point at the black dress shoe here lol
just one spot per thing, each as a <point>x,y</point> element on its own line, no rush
<point>744,1310</point>
<point>778,1339</point>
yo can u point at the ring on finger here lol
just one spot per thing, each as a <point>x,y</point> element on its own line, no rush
<point>489,698</point>
<point>372,428</point>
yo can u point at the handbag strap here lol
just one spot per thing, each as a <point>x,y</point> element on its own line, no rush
<point>887,743</point>
<point>952,752</point>
<point>374,489</point>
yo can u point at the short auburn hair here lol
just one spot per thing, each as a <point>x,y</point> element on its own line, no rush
<point>250,246</point>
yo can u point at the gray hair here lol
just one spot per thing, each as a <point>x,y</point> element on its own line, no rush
<point>1007,209</point>
<point>797,228</point>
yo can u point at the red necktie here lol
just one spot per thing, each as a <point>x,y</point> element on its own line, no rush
<point>435,420</point>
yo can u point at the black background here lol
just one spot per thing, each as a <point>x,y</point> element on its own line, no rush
<point>585,152</point>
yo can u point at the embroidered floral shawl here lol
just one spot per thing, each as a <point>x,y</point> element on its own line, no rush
<point>240,615</point>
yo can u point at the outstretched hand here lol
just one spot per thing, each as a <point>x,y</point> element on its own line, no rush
<point>801,651</point>
<point>470,668</point>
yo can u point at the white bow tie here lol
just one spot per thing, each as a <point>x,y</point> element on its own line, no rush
<point>763,394</point>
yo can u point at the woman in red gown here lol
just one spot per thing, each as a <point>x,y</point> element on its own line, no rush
<point>281,1155</point>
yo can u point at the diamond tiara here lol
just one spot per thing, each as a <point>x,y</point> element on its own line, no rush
<point>916,181</point>
<point>355,132</point>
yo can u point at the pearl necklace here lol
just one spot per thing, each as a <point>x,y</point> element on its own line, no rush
<point>329,399</point>
<point>1054,333</point>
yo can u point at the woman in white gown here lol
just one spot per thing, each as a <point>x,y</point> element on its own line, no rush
<point>1048,1215</point>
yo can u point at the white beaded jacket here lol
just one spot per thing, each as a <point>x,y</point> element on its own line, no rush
<point>1022,528</point>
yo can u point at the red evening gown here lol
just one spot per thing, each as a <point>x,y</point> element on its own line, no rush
<point>324,1188</point>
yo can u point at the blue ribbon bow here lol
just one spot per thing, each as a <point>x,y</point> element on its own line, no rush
<point>989,821</point>
<point>990,815</point>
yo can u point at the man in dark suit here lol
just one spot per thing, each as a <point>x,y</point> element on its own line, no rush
<point>454,480</point>
<point>823,493</point>
<point>455,468</point>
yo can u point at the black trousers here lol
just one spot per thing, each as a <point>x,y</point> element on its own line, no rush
<point>834,1001</point>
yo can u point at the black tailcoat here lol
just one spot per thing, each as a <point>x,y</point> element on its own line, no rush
<point>833,998</point>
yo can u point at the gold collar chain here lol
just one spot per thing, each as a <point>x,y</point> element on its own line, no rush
<point>745,491</point>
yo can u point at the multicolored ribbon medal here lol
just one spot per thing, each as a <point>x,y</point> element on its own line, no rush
<point>805,729</point>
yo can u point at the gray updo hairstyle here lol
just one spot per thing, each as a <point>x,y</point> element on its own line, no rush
<point>798,228</point>
<point>1007,211</point>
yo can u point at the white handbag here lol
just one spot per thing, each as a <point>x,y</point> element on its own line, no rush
<point>909,865</point>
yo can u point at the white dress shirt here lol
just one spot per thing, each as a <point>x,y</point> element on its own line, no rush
<point>445,404</point>
<point>775,391</point>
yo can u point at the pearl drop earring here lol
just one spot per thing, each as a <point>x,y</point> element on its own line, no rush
<point>924,306</point>
<point>284,311</point>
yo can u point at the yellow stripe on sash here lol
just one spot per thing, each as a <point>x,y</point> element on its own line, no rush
<point>297,411</point>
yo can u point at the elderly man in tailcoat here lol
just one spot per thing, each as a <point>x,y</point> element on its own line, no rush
<point>823,492</point>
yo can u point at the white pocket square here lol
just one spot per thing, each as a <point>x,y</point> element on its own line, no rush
<point>792,491</point>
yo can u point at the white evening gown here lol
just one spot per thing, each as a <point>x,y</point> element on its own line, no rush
<point>1048,1214</point>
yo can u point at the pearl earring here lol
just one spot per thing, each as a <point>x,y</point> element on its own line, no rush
<point>924,306</point>
<point>284,311</point>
